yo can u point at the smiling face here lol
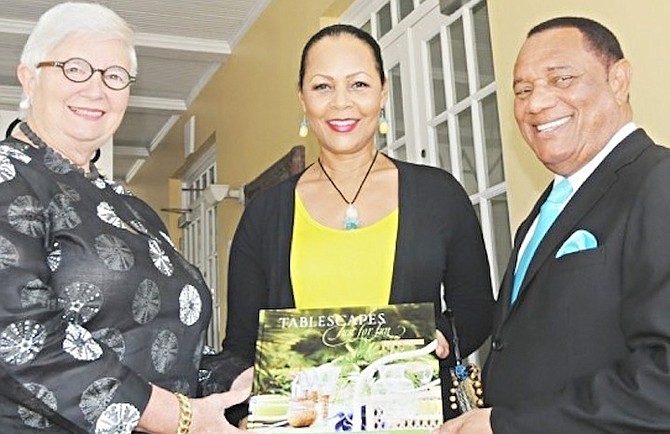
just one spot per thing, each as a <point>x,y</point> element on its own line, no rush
<point>567,103</point>
<point>76,118</point>
<point>342,94</point>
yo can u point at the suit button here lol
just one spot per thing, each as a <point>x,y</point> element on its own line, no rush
<point>497,344</point>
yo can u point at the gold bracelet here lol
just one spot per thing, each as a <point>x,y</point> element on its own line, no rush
<point>185,413</point>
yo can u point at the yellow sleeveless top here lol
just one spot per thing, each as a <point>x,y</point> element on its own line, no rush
<point>338,267</point>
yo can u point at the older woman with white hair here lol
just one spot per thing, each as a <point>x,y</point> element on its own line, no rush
<point>102,321</point>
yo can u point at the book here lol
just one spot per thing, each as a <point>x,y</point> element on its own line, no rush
<point>363,368</point>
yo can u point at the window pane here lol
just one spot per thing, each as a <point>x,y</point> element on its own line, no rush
<point>398,118</point>
<point>483,44</point>
<point>400,153</point>
<point>384,23</point>
<point>492,142</point>
<point>443,151</point>
<point>458,59</point>
<point>212,174</point>
<point>437,75</point>
<point>468,163</point>
<point>367,27</point>
<point>501,232</point>
<point>405,7</point>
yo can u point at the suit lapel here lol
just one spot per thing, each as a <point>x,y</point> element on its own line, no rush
<point>588,195</point>
<point>505,292</point>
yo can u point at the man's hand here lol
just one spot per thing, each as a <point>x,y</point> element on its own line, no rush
<point>442,350</point>
<point>477,421</point>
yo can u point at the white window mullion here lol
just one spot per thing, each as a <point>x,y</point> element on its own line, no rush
<point>429,117</point>
<point>211,265</point>
<point>200,237</point>
<point>373,25</point>
<point>478,140</point>
<point>394,12</point>
<point>428,147</point>
<point>486,212</point>
<point>414,118</point>
<point>396,58</point>
<point>475,106</point>
<point>470,49</point>
<point>455,149</point>
<point>452,107</point>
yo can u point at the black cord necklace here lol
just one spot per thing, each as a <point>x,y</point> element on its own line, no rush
<point>40,144</point>
<point>25,129</point>
<point>351,220</point>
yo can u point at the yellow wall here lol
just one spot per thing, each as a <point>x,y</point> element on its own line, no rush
<point>251,104</point>
<point>642,29</point>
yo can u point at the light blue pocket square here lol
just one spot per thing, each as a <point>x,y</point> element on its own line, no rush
<point>580,240</point>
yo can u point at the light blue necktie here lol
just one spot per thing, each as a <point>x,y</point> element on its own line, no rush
<point>550,209</point>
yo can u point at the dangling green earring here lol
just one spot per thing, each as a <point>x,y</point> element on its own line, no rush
<point>383,123</point>
<point>303,130</point>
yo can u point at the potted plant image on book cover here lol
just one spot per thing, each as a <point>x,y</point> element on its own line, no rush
<point>346,369</point>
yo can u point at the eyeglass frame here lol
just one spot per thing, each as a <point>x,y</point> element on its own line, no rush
<point>61,64</point>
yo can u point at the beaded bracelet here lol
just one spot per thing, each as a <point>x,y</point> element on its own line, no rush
<point>185,413</point>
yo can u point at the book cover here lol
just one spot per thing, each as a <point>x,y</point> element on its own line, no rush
<point>350,369</point>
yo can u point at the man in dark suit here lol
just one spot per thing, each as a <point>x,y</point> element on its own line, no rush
<point>581,342</point>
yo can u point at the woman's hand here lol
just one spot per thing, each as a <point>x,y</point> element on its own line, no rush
<point>161,415</point>
<point>208,412</point>
<point>244,381</point>
<point>442,350</point>
<point>215,405</point>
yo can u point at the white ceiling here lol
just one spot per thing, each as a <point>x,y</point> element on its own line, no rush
<point>180,44</point>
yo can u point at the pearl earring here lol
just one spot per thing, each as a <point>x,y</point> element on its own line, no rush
<point>303,130</point>
<point>24,104</point>
<point>383,123</point>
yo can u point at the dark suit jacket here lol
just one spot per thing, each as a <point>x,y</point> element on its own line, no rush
<point>439,242</point>
<point>586,347</point>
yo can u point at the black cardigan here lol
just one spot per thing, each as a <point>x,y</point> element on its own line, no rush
<point>439,242</point>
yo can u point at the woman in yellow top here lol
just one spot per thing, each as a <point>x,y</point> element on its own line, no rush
<point>357,227</point>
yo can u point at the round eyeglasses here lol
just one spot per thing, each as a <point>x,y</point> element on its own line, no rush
<point>79,70</point>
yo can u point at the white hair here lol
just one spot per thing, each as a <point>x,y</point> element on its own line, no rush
<point>70,19</point>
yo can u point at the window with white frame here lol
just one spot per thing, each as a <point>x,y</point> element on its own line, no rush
<point>199,235</point>
<point>442,101</point>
